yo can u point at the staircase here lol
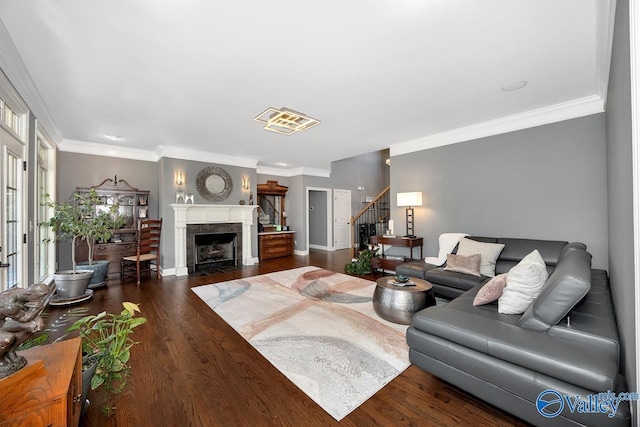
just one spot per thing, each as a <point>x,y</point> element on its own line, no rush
<point>373,219</point>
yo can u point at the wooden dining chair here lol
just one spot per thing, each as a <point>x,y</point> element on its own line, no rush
<point>147,251</point>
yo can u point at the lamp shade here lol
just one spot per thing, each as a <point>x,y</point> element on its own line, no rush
<point>410,199</point>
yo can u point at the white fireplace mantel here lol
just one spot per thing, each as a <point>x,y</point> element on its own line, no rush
<point>211,214</point>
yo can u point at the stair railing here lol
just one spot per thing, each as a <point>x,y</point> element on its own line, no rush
<point>372,219</point>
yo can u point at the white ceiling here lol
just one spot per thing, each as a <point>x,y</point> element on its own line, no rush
<point>187,77</point>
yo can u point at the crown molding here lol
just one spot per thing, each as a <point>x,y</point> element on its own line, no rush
<point>96,149</point>
<point>287,173</point>
<point>16,71</point>
<point>204,156</point>
<point>538,117</point>
<point>605,16</point>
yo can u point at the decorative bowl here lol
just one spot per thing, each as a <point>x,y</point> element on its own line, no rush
<point>401,279</point>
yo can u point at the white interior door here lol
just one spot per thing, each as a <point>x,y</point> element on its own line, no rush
<point>341,218</point>
<point>12,212</point>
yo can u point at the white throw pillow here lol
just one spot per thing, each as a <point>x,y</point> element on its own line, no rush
<point>524,283</point>
<point>489,253</point>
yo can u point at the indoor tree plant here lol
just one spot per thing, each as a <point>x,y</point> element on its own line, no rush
<point>80,219</point>
<point>106,345</point>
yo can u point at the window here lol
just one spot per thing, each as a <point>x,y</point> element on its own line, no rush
<point>44,175</point>
<point>13,121</point>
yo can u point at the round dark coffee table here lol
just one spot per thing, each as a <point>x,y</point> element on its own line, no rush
<point>398,304</point>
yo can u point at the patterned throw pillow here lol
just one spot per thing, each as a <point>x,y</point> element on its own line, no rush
<point>464,264</point>
<point>491,291</point>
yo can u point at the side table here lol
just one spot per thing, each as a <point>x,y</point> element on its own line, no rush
<point>398,304</point>
<point>390,264</point>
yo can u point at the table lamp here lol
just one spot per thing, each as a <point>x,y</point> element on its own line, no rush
<point>410,200</point>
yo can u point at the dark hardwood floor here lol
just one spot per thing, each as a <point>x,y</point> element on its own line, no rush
<point>192,369</point>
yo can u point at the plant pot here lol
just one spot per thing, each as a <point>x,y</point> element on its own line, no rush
<point>69,285</point>
<point>87,374</point>
<point>99,268</point>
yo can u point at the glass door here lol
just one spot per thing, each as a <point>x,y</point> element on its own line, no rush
<point>12,211</point>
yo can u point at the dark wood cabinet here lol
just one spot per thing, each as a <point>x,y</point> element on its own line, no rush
<point>389,262</point>
<point>133,206</point>
<point>110,251</point>
<point>276,244</point>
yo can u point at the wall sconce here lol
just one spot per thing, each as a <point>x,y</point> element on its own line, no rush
<point>179,178</point>
<point>410,200</point>
<point>246,184</point>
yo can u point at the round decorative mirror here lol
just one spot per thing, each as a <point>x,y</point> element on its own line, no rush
<point>214,184</point>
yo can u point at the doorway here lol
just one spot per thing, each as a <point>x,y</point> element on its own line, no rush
<point>12,213</point>
<point>341,219</point>
<point>319,218</point>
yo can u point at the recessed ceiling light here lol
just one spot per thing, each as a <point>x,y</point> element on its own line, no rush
<point>114,137</point>
<point>282,164</point>
<point>510,87</point>
<point>285,121</point>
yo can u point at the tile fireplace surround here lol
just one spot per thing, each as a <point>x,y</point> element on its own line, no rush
<point>211,214</point>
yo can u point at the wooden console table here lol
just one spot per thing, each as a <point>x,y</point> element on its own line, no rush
<point>49,397</point>
<point>382,262</point>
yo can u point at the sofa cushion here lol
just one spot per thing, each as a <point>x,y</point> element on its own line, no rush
<point>453,279</point>
<point>464,264</point>
<point>491,291</point>
<point>489,253</point>
<point>414,269</point>
<point>524,283</point>
<point>516,249</point>
<point>566,287</point>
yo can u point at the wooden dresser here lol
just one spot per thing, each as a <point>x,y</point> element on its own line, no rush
<point>112,252</point>
<point>275,244</point>
<point>50,396</point>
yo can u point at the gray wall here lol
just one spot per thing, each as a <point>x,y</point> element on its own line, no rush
<point>317,218</point>
<point>620,191</point>
<point>85,170</point>
<point>167,168</point>
<point>367,170</point>
<point>547,182</point>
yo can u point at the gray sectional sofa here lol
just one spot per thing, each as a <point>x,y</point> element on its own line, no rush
<point>533,365</point>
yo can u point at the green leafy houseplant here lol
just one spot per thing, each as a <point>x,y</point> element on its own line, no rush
<point>106,342</point>
<point>80,219</point>
<point>362,265</point>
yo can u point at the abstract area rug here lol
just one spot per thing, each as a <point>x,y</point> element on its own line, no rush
<point>319,329</point>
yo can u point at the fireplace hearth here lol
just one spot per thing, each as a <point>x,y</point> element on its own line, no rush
<point>215,250</point>
<point>199,219</point>
<point>213,246</point>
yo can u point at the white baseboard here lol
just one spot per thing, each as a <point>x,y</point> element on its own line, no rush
<point>303,253</point>
<point>167,271</point>
<point>319,247</point>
